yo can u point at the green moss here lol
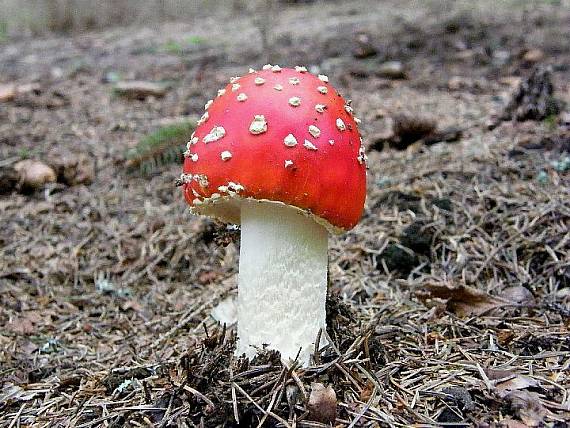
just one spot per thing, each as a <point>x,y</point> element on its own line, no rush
<point>3,31</point>
<point>173,48</point>
<point>163,146</point>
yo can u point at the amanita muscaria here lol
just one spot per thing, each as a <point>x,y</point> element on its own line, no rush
<point>278,151</point>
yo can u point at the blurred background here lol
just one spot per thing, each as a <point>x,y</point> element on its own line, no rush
<point>466,124</point>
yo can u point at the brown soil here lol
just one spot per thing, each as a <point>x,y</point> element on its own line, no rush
<point>454,290</point>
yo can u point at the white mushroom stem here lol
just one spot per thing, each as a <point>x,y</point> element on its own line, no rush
<point>282,281</point>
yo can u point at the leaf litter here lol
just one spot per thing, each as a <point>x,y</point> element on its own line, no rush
<point>451,299</point>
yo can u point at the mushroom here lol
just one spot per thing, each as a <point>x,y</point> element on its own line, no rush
<point>265,160</point>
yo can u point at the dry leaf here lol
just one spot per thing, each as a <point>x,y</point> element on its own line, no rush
<point>461,299</point>
<point>527,407</point>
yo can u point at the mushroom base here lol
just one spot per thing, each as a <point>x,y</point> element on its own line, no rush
<point>282,281</point>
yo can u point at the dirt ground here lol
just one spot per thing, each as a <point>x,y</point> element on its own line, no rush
<point>450,301</point>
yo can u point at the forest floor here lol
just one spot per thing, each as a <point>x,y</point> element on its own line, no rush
<point>450,301</point>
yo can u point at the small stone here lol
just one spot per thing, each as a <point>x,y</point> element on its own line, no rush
<point>314,131</point>
<point>322,405</point>
<point>290,140</point>
<point>532,56</point>
<point>295,101</point>
<point>34,174</point>
<point>364,47</point>
<point>226,155</point>
<point>258,125</point>
<point>391,70</point>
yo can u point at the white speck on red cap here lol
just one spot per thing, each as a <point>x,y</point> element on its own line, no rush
<point>314,131</point>
<point>331,142</point>
<point>308,145</point>
<point>294,80</point>
<point>242,97</point>
<point>202,180</point>
<point>193,141</point>
<point>276,69</point>
<point>204,118</point>
<point>259,81</point>
<point>221,92</point>
<point>215,134</point>
<point>295,101</point>
<point>362,158</point>
<point>234,79</point>
<point>194,157</point>
<point>186,178</point>
<point>290,140</point>
<point>322,89</point>
<point>340,124</point>
<point>223,189</point>
<point>323,78</point>
<point>320,108</point>
<point>288,163</point>
<point>208,104</point>
<point>278,87</point>
<point>348,109</point>
<point>235,87</point>
<point>301,69</point>
<point>258,125</point>
<point>266,66</point>
<point>357,120</point>
<point>226,155</point>
<point>251,70</point>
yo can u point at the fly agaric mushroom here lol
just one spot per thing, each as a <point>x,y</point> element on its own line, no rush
<point>279,152</point>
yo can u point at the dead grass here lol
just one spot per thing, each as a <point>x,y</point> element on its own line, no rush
<point>452,307</point>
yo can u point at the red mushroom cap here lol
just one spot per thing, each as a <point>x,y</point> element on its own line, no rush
<point>281,135</point>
